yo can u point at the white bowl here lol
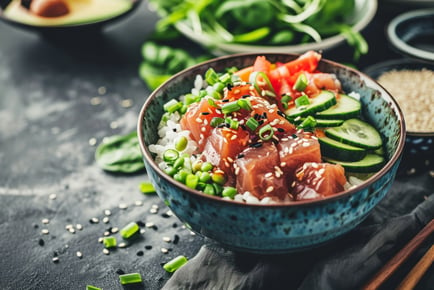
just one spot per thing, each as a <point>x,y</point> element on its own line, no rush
<point>364,12</point>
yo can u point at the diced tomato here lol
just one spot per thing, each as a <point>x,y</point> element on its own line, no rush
<point>307,62</point>
<point>258,172</point>
<point>318,179</point>
<point>294,152</point>
<point>222,147</point>
<point>197,120</point>
<point>261,64</point>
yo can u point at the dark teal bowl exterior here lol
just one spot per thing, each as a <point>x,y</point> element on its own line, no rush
<point>285,227</point>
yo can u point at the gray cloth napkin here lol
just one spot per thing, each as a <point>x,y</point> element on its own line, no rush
<point>346,263</point>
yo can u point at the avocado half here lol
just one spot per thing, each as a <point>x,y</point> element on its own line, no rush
<point>80,12</point>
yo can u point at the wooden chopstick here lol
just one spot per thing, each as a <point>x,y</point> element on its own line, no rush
<point>390,267</point>
<point>417,272</point>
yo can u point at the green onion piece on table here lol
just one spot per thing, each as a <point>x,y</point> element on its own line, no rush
<point>90,287</point>
<point>175,264</point>
<point>147,187</point>
<point>130,278</point>
<point>129,230</point>
<point>109,242</point>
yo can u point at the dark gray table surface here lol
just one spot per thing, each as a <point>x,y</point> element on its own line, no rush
<point>56,100</point>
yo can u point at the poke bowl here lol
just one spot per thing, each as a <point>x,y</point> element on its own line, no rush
<point>247,195</point>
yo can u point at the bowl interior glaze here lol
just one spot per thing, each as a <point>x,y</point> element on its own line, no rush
<point>285,227</point>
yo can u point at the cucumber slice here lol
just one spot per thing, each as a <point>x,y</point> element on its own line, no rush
<point>346,107</point>
<point>357,133</point>
<point>323,123</point>
<point>322,101</point>
<point>340,151</point>
<point>371,163</point>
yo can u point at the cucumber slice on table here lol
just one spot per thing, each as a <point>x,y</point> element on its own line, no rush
<point>370,163</point>
<point>346,107</point>
<point>357,133</point>
<point>320,102</point>
<point>340,151</point>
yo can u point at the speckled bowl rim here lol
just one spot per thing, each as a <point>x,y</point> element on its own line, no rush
<point>375,70</point>
<point>149,158</point>
<point>65,28</point>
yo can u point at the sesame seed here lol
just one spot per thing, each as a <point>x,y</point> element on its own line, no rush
<point>114,124</point>
<point>199,120</point>
<point>100,239</point>
<point>106,220</point>
<point>45,221</point>
<point>106,251</point>
<point>282,164</point>
<point>142,231</point>
<point>126,103</point>
<point>45,231</point>
<point>153,210</point>
<point>71,230</point>
<point>92,141</point>
<point>269,189</point>
<point>79,227</point>
<point>102,90</point>
<point>79,254</point>
<point>122,245</point>
<point>95,101</point>
<point>52,196</point>
<point>55,260</point>
<point>164,250</point>
<point>94,220</point>
<point>149,224</point>
<point>106,233</point>
<point>107,212</point>
<point>123,206</point>
<point>268,175</point>
<point>167,239</point>
<point>114,230</point>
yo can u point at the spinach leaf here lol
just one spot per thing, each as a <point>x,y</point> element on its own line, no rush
<point>120,153</point>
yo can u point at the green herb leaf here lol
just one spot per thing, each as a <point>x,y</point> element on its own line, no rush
<point>120,153</point>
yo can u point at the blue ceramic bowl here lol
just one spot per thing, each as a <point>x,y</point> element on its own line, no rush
<point>285,227</point>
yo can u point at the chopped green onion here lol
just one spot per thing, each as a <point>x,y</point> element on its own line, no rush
<point>230,107</point>
<point>147,187</point>
<point>192,181</point>
<point>262,84</point>
<point>245,104</point>
<point>302,101</point>
<point>216,121</point>
<point>233,124</point>
<point>175,264</point>
<point>109,242</point>
<point>130,278</point>
<point>211,77</point>
<point>229,191</point>
<point>190,99</point>
<point>172,106</point>
<point>217,188</point>
<point>225,78</point>
<point>90,287</point>
<point>308,123</point>
<point>218,87</point>
<point>170,156</point>
<point>181,143</point>
<point>252,123</point>
<point>301,83</point>
<point>266,132</point>
<point>129,230</point>
<point>170,170</point>
<point>212,103</point>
